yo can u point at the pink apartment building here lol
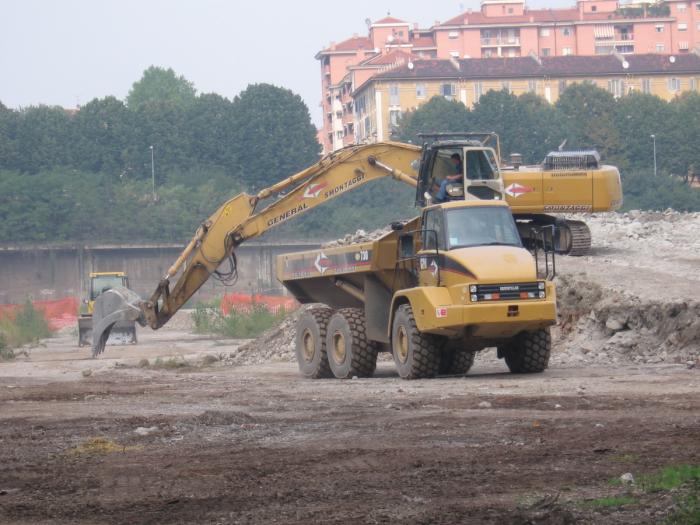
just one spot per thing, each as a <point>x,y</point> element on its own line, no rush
<point>501,28</point>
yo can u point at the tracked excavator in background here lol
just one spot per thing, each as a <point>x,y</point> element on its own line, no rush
<point>432,291</point>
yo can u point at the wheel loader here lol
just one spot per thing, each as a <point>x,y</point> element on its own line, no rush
<point>434,290</point>
<point>123,332</point>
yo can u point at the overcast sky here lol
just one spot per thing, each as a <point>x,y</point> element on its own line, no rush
<point>68,52</point>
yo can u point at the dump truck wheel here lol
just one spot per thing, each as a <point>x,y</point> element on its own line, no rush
<point>417,355</point>
<point>456,361</point>
<point>311,343</point>
<point>528,352</point>
<point>349,352</point>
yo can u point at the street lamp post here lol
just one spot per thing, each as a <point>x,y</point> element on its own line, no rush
<point>653,137</point>
<point>153,173</point>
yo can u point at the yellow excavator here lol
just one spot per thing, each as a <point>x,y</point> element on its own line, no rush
<point>432,291</point>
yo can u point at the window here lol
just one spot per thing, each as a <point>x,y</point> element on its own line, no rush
<point>433,230</point>
<point>594,8</point>
<point>660,48</point>
<point>394,118</point>
<point>394,95</point>
<point>448,91</point>
<point>681,8</point>
<point>562,86</point>
<point>674,84</point>
<point>532,86</point>
<point>697,6</point>
<point>646,86</point>
<point>659,28</point>
<point>452,35</point>
<point>505,85</point>
<point>420,90</point>
<point>682,26</point>
<point>566,31</point>
<point>478,91</point>
<point>546,52</point>
<point>488,53</point>
<point>616,87</point>
<point>480,226</point>
<point>693,84</point>
<point>566,51</point>
<point>544,31</point>
<point>454,54</point>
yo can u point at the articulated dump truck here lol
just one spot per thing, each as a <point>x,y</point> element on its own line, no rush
<point>472,270</point>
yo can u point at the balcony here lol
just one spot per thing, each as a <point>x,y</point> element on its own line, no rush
<point>500,41</point>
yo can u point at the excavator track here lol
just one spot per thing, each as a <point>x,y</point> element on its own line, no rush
<point>576,237</point>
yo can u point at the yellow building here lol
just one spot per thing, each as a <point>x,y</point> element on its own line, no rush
<point>381,100</point>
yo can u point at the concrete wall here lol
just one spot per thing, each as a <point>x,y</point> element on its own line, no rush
<point>54,272</point>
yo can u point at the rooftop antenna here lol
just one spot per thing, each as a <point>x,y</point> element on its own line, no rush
<point>368,22</point>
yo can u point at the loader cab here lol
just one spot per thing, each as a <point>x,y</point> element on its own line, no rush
<point>480,173</point>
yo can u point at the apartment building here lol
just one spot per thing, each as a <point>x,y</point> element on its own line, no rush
<point>501,28</point>
<point>382,99</point>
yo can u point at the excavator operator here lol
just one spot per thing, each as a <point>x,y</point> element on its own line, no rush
<point>441,195</point>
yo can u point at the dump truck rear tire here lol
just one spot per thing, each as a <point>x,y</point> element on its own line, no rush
<point>528,352</point>
<point>349,351</point>
<point>311,343</point>
<point>455,360</point>
<point>416,354</point>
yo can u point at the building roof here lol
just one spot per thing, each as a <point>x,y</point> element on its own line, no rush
<point>531,16</point>
<point>393,57</point>
<point>389,20</point>
<point>351,44</point>
<point>506,68</point>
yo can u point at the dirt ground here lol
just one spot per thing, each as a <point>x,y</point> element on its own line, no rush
<point>203,434</point>
<point>106,441</point>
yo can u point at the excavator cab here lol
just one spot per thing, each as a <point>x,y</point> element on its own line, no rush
<point>480,176</point>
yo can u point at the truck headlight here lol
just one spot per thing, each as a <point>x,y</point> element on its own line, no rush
<point>542,295</point>
<point>472,288</point>
<point>474,298</point>
<point>540,285</point>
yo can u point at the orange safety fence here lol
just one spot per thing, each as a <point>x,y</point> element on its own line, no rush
<point>58,313</point>
<point>242,302</point>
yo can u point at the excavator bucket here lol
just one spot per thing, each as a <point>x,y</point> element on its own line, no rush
<point>118,308</point>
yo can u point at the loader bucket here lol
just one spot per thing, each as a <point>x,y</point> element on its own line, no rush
<point>120,307</point>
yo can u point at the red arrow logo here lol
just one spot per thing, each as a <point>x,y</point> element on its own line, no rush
<point>313,190</point>
<point>515,190</point>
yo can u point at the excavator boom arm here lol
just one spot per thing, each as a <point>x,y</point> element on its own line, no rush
<point>237,221</point>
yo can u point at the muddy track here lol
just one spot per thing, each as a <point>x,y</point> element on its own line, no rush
<point>260,445</point>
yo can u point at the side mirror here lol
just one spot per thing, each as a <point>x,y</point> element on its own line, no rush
<point>406,250</point>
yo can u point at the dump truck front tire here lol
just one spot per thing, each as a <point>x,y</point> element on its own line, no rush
<point>349,351</point>
<point>416,354</point>
<point>311,343</point>
<point>528,352</point>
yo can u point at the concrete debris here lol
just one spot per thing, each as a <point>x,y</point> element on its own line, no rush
<point>484,404</point>
<point>358,237</point>
<point>627,478</point>
<point>144,431</point>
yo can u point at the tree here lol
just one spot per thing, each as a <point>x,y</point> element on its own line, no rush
<point>638,116</point>
<point>436,115</point>
<point>43,138</point>
<point>272,135</point>
<point>682,157</point>
<point>8,142</point>
<point>589,113</point>
<point>159,85</point>
<point>210,124</point>
<point>103,136</point>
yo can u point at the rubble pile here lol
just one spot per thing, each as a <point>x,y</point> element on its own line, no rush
<point>616,328</point>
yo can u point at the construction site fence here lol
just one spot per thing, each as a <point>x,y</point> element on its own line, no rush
<point>246,303</point>
<point>58,313</point>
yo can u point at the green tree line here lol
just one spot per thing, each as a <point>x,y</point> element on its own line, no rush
<point>86,175</point>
